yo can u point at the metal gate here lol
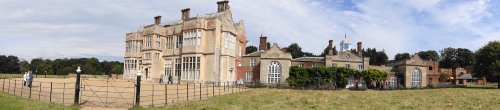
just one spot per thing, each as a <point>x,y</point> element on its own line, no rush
<point>107,93</point>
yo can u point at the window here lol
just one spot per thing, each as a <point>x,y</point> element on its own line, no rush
<point>229,40</point>
<point>147,55</point>
<point>178,66</point>
<point>334,65</point>
<point>301,65</point>
<point>361,67</point>
<point>169,42</point>
<point>347,65</point>
<point>168,67</point>
<point>158,41</point>
<point>274,72</point>
<point>157,55</point>
<point>249,76</point>
<point>416,78</point>
<point>148,40</point>
<point>192,37</point>
<point>252,62</point>
<point>178,42</point>
<point>393,82</point>
<point>191,68</point>
<point>315,65</point>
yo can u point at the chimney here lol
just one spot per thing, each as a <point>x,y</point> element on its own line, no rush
<point>360,51</point>
<point>222,6</point>
<point>263,43</point>
<point>330,44</point>
<point>185,13</point>
<point>157,20</point>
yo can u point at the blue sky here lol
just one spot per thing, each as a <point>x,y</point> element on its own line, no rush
<point>96,28</point>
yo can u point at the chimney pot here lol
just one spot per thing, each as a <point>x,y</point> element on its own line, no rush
<point>360,49</point>
<point>330,44</point>
<point>157,20</point>
<point>222,6</point>
<point>263,43</point>
<point>185,13</point>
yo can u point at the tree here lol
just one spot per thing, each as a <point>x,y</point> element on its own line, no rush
<point>24,66</point>
<point>455,58</point>
<point>374,75</point>
<point>309,54</point>
<point>429,55</point>
<point>325,51</point>
<point>268,45</point>
<point>402,56</point>
<point>444,77</point>
<point>488,61</point>
<point>295,50</point>
<point>376,57</point>
<point>251,49</point>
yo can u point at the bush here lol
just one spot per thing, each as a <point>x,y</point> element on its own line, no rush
<point>329,77</point>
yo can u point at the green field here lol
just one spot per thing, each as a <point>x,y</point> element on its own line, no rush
<point>12,102</point>
<point>285,99</point>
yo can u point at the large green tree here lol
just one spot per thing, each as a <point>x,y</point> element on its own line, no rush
<point>456,57</point>
<point>402,56</point>
<point>374,75</point>
<point>325,51</point>
<point>376,57</point>
<point>429,55</point>
<point>295,50</point>
<point>9,64</point>
<point>488,61</point>
<point>251,49</point>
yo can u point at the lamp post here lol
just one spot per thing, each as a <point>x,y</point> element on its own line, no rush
<point>77,86</point>
<point>138,88</point>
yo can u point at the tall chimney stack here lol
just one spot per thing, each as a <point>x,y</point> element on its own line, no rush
<point>360,49</point>
<point>185,13</point>
<point>263,43</point>
<point>222,6</point>
<point>330,44</point>
<point>157,20</point>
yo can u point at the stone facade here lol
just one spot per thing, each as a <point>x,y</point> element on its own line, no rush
<point>204,48</point>
<point>265,65</point>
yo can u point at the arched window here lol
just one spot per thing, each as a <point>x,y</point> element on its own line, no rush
<point>274,72</point>
<point>416,78</point>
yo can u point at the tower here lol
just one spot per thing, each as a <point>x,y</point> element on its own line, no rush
<point>345,45</point>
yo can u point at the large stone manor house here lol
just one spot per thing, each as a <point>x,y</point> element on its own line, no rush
<point>192,49</point>
<point>211,47</point>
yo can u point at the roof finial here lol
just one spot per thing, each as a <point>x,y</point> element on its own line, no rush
<point>345,35</point>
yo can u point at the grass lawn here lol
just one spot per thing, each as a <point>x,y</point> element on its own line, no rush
<point>271,99</point>
<point>12,102</point>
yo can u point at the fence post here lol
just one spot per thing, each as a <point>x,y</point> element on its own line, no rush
<point>200,91</point>
<point>8,89</point>
<point>50,96</point>
<point>213,88</point>
<point>177,92</point>
<point>30,94</point>
<point>187,91</point>
<point>3,85</point>
<point>153,94</point>
<point>22,88</point>
<point>194,92</point>
<point>40,90</point>
<point>218,85</point>
<point>224,85</point>
<point>166,94</point>
<point>15,81</point>
<point>64,90</point>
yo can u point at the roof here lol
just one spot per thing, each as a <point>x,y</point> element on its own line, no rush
<point>466,76</point>
<point>254,54</point>
<point>317,59</point>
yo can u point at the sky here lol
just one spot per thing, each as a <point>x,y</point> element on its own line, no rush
<point>96,28</point>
